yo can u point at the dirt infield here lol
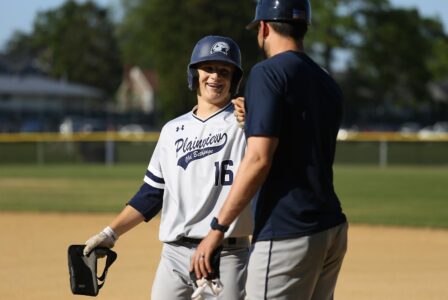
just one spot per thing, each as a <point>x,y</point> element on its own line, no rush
<point>381,263</point>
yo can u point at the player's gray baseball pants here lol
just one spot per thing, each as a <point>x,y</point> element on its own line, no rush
<point>172,280</point>
<point>304,268</point>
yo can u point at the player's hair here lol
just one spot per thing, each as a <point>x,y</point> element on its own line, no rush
<point>295,30</point>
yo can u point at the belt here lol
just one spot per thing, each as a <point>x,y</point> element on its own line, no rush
<point>228,242</point>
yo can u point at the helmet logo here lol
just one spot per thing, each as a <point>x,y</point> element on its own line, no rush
<point>298,14</point>
<point>222,47</point>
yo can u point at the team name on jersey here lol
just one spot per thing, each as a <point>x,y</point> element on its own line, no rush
<point>191,150</point>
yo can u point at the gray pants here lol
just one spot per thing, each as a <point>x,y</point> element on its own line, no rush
<point>172,281</point>
<point>304,268</point>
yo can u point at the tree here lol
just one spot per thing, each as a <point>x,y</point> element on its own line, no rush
<point>21,53</point>
<point>437,61</point>
<point>76,41</point>
<point>335,26</point>
<point>161,34</point>
<point>393,60</point>
<point>20,45</point>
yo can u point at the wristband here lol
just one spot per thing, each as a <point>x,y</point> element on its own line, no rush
<point>111,233</point>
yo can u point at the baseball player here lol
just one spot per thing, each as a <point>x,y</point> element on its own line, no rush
<point>189,175</point>
<point>294,110</point>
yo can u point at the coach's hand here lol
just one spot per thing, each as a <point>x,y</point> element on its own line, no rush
<point>239,112</point>
<point>105,238</point>
<point>200,261</point>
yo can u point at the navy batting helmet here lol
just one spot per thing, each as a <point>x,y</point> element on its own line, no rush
<point>215,48</point>
<point>282,11</point>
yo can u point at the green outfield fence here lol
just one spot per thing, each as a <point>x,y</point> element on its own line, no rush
<point>381,148</point>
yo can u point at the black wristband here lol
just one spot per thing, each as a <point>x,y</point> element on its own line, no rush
<point>216,226</point>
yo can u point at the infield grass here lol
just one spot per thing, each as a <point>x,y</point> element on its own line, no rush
<point>398,196</point>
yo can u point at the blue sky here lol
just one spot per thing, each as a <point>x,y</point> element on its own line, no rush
<point>19,14</point>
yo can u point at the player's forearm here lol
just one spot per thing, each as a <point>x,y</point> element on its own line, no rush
<point>126,220</point>
<point>249,178</point>
<point>252,172</point>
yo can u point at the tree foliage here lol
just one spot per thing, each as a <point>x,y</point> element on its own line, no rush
<point>335,26</point>
<point>437,60</point>
<point>20,46</point>
<point>394,61</point>
<point>162,33</point>
<point>74,41</point>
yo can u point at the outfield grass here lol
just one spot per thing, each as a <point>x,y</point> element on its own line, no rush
<point>409,196</point>
<point>403,196</point>
<point>68,188</point>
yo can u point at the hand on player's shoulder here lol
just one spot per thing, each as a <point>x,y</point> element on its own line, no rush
<point>239,112</point>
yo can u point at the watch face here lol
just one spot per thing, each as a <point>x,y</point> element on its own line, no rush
<point>216,226</point>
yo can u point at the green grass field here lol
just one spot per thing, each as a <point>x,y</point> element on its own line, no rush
<point>68,188</point>
<point>403,196</point>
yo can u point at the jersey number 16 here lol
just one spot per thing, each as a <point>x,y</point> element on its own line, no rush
<point>222,173</point>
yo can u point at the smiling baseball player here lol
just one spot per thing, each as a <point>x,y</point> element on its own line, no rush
<point>188,178</point>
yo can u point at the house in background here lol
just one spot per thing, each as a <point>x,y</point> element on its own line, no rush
<point>38,94</point>
<point>31,101</point>
<point>137,91</point>
<point>38,103</point>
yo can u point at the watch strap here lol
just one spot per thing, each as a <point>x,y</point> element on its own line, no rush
<point>216,226</point>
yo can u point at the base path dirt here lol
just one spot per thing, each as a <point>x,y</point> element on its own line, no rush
<point>381,263</point>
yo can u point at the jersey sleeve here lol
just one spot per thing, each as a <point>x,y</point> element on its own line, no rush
<point>263,100</point>
<point>148,200</point>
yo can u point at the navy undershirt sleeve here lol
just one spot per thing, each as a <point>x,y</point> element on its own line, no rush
<point>148,201</point>
<point>263,100</point>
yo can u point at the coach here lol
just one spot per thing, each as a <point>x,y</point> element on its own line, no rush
<point>294,110</point>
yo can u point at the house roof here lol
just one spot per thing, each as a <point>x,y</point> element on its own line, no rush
<point>21,66</point>
<point>34,85</point>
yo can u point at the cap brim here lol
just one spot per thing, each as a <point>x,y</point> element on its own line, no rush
<point>252,25</point>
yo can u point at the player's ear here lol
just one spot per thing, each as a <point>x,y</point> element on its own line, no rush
<point>265,28</point>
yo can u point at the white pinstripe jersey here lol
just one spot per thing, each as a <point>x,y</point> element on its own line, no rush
<point>195,162</point>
